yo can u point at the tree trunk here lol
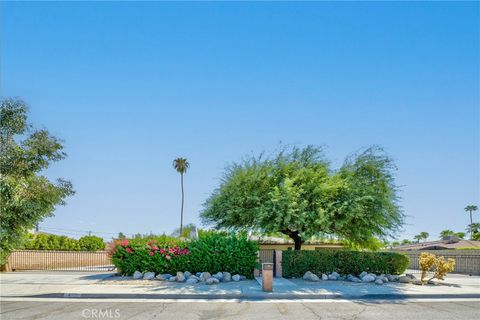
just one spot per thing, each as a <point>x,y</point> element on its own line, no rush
<point>181,210</point>
<point>471,222</point>
<point>295,237</point>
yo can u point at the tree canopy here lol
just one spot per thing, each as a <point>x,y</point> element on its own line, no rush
<point>27,196</point>
<point>297,193</point>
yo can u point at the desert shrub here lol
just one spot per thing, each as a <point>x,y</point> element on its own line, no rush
<point>439,266</point>
<point>212,252</point>
<point>296,263</point>
<point>91,243</point>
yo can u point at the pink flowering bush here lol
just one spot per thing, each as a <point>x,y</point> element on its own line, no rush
<point>212,252</point>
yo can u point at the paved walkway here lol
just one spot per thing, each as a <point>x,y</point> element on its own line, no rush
<point>106,285</point>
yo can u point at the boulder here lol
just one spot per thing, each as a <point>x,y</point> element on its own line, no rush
<point>368,278</point>
<point>417,282</point>
<point>332,277</point>
<point>164,276</point>
<point>411,276</point>
<point>391,277</point>
<point>149,276</point>
<point>383,278</point>
<point>378,281</point>
<point>137,275</point>
<point>198,274</point>
<point>310,276</point>
<point>236,277</point>
<point>180,277</point>
<point>307,275</point>
<point>363,274</point>
<point>172,279</point>
<point>335,274</point>
<point>227,277</point>
<point>192,280</point>
<point>218,276</point>
<point>324,276</point>
<point>243,278</point>
<point>341,278</point>
<point>204,276</point>
<point>404,279</point>
<point>212,280</point>
<point>187,274</point>
<point>355,279</point>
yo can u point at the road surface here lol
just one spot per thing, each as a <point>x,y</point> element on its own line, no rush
<point>204,310</point>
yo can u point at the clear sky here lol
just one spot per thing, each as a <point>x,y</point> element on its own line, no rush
<point>131,86</point>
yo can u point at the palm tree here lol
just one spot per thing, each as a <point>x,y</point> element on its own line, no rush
<point>471,208</point>
<point>446,233</point>
<point>181,165</point>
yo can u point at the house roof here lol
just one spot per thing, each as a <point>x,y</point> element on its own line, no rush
<point>439,245</point>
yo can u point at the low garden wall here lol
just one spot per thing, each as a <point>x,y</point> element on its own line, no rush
<point>466,261</point>
<point>296,263</point>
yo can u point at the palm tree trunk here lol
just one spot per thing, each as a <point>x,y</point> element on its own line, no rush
<point>181,210</point>
<point>471,222</point>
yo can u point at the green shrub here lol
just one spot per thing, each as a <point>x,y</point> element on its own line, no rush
<point>296,263</point>
<point>91,243</point>
<point>212,252</point>
<point>62,243</point>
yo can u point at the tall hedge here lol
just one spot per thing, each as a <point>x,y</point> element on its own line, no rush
<point>212,252</point>
<point>296,263</point>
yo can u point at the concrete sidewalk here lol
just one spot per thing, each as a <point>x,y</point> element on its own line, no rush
<point>106,285</point>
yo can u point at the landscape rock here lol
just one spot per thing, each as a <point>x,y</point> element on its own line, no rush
<point>164,276</point>
<point>227,277</point>
<point>149,276</point>
<point>204,276</point>
<point>411,276</point>
<point>243,278</point>
<point>212,280</point>
<point>341,278</point>
<point>187,274</point>
<point>378,281</point>
<point>363,274</point>
<point>404,279</point>
<point>137,275</point>
<point>236,277</point>
<point>335,274</point>
<point>417,282</point>
<point>218,276</point>
<point>310,276</point>
<point>368,278</point>
<point>332,277</point>
<point>192,280</point>
<point>198,274</point>
<point>324,276</point>
<point>180,277</point>
<point>391,277</point>
<point>355,279</point>
<point>172,279</point>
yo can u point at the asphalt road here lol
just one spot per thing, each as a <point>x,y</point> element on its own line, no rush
<point>354,310</point>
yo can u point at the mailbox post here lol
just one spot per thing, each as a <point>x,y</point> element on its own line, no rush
<point>267,277</point>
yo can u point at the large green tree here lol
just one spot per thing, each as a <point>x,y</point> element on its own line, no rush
<point>297,193</point>
<point>27,196</point>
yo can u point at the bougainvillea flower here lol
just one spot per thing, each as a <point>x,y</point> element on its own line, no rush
<point>124,243</point>
<point>151,253</point>
<point>129,250</point>
<point>168,257</point>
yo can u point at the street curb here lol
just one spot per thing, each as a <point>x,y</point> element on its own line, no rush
<point>265,296</point>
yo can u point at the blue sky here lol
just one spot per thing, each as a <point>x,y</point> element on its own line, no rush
<point>129,87</point>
